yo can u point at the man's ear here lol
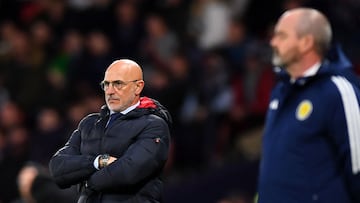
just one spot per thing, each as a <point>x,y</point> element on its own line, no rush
<point>307,43</point>
<point>139,87</point>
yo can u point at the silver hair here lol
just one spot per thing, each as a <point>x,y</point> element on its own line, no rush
<point>315,23</point>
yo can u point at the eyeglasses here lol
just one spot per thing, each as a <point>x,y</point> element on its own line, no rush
<point>117,84</point>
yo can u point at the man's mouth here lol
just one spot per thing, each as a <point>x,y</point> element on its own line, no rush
<point>112,99</point>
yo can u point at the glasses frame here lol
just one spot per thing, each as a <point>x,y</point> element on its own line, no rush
<point>116,84</point>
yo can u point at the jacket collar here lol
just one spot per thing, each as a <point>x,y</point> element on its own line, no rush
<point>128,109</point>
<point>146,106</point>
<point>335,62</point>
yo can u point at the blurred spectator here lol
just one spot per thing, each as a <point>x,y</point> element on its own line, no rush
<point>15,156</point>
<point>43,46</point>
<point>30,10</point>
<point>23,66</point>
<point>236,47</point>
<point>48,136</point>
<point>216,95</point>
<point>203,112</point>
<point>171,87</point>
<point>128,30</point>
<point>251,91</point>
<point>238,8</point>
<point>252,88</point>
<point>176,14</point>
<point>208,22</point>
<point>75,112</point>
<point>92,103</point>
<point>160,43</point>
<point>7,31</point>
<point>25,179</point>
<point>180,84</point>
<point>36,186</point>
<point>56,16</point>
<point>58,70</point>
<point>11,116</point>
<point>86,71</point>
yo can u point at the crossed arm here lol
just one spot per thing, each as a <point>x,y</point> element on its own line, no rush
<point>142,159</point>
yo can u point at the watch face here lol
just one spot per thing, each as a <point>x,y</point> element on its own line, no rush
<point>103,159</point>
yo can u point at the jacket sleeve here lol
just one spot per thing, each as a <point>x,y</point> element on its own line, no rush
<point>143,159</point>
<point>68,166</point>
<point>345,127</point>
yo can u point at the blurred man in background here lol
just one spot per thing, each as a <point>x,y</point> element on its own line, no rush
<point>311,143</point>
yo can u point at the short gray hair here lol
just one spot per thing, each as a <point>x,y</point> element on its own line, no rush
<point>315,23</point>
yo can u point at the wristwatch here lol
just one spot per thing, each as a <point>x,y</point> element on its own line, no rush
<point>103,160</point>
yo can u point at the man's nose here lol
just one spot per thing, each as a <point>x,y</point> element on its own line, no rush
<point>273,42</point>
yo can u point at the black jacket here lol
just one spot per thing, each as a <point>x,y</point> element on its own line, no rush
<point>140,141</point>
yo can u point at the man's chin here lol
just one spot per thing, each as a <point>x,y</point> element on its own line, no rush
<point>112,106</point>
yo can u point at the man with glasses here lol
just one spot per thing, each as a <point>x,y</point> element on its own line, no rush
<point>117,155</point>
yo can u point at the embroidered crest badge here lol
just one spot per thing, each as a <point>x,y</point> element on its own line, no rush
<point>304,110</point>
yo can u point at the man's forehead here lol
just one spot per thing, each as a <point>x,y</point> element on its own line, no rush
<point>290,18</point>
<point>124,63</point>
<point>117,73</point>
<point>124,69</point>
<point>287,23</point>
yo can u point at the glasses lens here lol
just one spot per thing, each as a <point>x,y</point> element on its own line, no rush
<point>117,84</point>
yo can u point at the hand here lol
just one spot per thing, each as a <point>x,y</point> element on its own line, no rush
<point>111,159</point>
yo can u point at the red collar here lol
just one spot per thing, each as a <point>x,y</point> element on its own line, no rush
<point>146,103</point>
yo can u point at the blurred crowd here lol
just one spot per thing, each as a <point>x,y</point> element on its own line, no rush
<point>207,61</point>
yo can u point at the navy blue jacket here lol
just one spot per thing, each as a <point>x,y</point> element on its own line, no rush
<point>140,141</point>
<point>311,142</point>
